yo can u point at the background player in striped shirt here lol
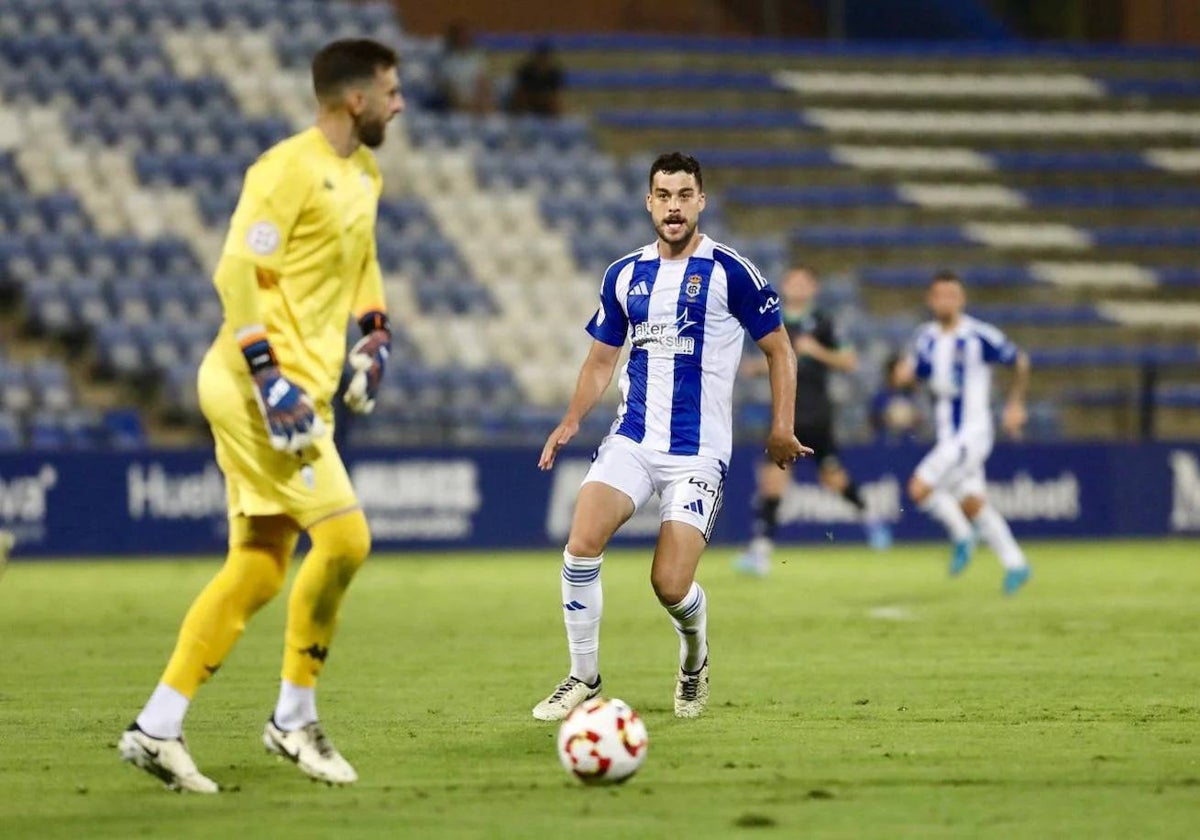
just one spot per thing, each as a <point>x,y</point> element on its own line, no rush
<point>953,355</point>
<point>683,302</point>
<point>299,260</point>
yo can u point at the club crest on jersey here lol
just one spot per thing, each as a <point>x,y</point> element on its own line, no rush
<point>693,285</point>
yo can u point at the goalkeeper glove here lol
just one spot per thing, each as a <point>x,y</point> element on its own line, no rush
<point>368,358</point>
<point>287,411</point>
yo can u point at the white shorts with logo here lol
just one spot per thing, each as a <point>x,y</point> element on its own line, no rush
<point>956,465</point>
<point>690,488</point>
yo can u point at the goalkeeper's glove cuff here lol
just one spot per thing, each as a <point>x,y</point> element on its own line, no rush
<point>256,349</point>
<point>375,320</point>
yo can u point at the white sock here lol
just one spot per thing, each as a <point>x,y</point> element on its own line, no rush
<point>163,714</point>
<point>297,706</point>
<point>943,507</point>
<point>690,617</point>
<point>583,606</point>
<point>996,533</point>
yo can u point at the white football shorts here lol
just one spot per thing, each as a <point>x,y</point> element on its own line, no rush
<point>955,465</point>
<point>690,488</point>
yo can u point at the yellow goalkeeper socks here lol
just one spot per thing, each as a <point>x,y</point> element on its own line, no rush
<point>254,572</point>
<point>339,546</point>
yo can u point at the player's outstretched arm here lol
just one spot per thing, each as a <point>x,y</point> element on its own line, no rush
<point>1015,414</point>
<point>782,446</point>
<point>594,377</point>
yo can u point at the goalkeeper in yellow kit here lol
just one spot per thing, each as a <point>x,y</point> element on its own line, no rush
<point>299,260</point>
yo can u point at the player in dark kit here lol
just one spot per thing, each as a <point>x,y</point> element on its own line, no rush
<point>818,351</point>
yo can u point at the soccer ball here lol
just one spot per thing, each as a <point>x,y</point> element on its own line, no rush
<point>602,742</point>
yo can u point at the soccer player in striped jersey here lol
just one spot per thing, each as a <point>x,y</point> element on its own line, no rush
<point>953,355</point>
<point>683,303</point>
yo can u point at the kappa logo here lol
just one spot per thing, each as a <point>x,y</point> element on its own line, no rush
<point>694,283</point>
<point>316,652</point>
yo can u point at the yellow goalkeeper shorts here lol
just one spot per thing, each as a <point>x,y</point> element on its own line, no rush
<point>260,481</point>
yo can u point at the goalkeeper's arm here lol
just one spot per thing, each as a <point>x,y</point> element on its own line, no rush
<point>287,411</point>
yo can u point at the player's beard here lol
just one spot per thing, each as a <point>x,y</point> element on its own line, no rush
<point>685,237</point>
<point>370,131</point>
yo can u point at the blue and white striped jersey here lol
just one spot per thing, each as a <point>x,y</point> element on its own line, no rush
<point>957,366</point>
<point>684,319</point>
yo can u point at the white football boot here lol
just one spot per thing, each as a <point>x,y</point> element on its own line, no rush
<point>570,693</point>
<point>164,758</point>
<point>691,693</point>
<point>310,750</point>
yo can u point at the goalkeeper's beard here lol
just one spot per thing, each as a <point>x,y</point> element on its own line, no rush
<point>369,132</point>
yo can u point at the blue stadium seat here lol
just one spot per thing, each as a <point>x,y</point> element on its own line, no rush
<point>701,120</point>
<point>46,432</point>
<point>1178,396</point>
<point>1041,315</point>
<point>884,237</point>
<point>50,385</point>
<point>118,350</point>
<point>11,439</point>
<point>1069,161</point>
<point>15,392</point>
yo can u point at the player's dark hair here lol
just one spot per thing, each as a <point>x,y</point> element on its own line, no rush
<point>807,268</point>
<point>945,275</point>
<point>343,62</point>
<point>677,162</point>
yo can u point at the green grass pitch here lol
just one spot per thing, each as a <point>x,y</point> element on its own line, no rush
<point>854,695</point>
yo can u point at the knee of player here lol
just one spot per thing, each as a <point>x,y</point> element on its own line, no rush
<point>668,588</point>
<point>346,539</point>
<point>258,573</point>
<point>971,506</point>
<point>584,545</point>
<point>918,491</point>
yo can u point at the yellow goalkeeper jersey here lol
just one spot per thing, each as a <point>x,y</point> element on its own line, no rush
<point>306,221</point>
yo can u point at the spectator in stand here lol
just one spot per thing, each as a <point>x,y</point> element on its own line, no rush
<point>460,74</point>
<point>538,83</point>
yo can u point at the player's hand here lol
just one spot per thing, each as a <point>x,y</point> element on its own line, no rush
<point>367,358</point>
<point>292,425</point>
<point>1013,419</point>
<point>559,438</point>
<point>784,449</point>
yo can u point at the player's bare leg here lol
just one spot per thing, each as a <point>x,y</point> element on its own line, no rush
<point>599,511</point>
<point>944,508</point>
<point>340,544</point>
<point>996,533</point>
<point>673,576</point>
<point>772,484</point>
